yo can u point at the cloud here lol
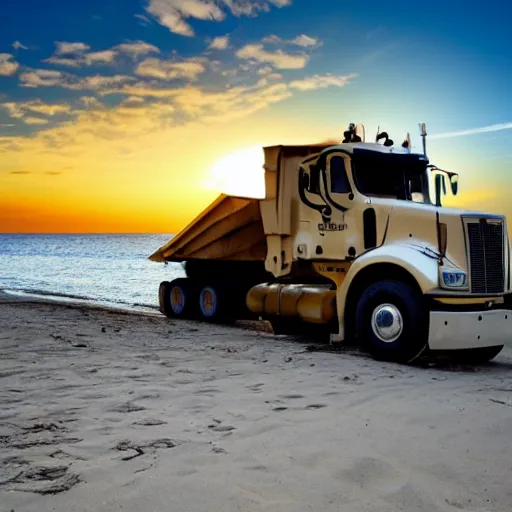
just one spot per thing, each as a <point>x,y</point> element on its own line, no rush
<point>6,125</point>
<point>100,82</point>
<point>49,109</point>
<point>171,70</point>
<point>66,48</point>
<point>174,13</point>
<point>194,103</point>
<point>136,48</point>
<point>302,40</point>
<point>279,58</point>
<point>321,82</point>
<point>50,78</point>
<point>20,109</point>
<point>8,66</point>
<point>205,107</point>
<point>91,102</point>
<point>72,62</point>
<point>473,131</point>
<point>34,120</point>
<point>143,20</point>
<point>41,78</point>
<point>24,173</point>
<point>77,55</point>
<point>133,100</point>
<point>219,43</point>
<point>102,57</point>
<point>18,46</point>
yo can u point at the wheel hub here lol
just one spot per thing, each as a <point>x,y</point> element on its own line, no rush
<point>208,301</point>
<point>387,323</point>
<point>177,300</point>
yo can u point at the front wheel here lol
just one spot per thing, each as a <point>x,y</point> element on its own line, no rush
<point>392,322</point>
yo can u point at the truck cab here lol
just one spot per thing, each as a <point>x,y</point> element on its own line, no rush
<point>357,243</point>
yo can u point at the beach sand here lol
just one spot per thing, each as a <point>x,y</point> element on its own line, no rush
<point>106,411</point>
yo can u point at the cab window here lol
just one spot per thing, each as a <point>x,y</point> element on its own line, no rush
<point>339,178</point>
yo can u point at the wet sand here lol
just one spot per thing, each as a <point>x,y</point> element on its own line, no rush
<point>105,410</point>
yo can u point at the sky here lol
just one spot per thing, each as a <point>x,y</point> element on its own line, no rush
<point>132,115</point>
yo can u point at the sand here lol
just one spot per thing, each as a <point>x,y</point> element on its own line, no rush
<point>104,410</point>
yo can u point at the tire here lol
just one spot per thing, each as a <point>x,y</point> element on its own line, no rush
<point>163,298</point>
<point>181,299</point>
<point>400,305</point>
<point>215,303</point>
<point>477,355</point>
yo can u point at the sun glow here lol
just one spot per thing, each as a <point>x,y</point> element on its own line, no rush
<point>239,174</point>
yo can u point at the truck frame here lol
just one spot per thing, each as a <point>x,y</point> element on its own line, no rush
<point>351,241</point>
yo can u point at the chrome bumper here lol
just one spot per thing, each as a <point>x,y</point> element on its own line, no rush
<point>453,330</point>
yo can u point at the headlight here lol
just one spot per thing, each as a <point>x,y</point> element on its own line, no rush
<point>454,279</point>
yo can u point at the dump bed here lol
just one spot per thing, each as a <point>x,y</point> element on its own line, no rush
<point>231,228</point>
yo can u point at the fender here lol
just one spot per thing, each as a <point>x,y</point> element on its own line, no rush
<point>420,261</point>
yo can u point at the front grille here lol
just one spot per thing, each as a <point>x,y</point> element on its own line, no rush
<point>486,256</point>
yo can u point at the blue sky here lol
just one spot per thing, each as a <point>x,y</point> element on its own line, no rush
<point>450,59</point>
<point>65,66</point>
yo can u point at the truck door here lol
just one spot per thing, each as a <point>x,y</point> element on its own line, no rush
<point>336,227</point>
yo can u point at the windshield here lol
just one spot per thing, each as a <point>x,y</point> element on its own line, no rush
<point>385,175</point>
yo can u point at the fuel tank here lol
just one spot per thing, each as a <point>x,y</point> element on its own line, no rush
<point>314,304</point>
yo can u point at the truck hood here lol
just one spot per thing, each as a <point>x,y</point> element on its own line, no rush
<point>415,225</point>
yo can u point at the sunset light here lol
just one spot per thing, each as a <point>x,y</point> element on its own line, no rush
<point>239,174</point>
<point>136,125</point>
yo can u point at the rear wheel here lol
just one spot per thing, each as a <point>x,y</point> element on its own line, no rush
<point>391,321</point>
<point>181,298</point>
<point>163,298</point>
<point>216,303</point>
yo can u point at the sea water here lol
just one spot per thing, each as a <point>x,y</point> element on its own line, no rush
<point>111,270</point>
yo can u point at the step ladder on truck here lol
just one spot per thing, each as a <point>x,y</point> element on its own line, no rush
<point>351,241</point>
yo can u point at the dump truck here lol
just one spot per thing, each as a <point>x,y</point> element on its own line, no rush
<point>351,242</point>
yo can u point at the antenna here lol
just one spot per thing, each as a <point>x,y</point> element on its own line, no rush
<point>407,143</point>
<point>423,133</point>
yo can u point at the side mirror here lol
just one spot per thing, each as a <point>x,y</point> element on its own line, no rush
<point>454,182</point>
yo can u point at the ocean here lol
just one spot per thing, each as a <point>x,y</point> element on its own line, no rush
<point>109,270</point>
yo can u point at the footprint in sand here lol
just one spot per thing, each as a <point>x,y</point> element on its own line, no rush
<point>127,408</point>
<point>137,449</point>
<point>257,388</point>
<point>51,479</point>
<point>150,422</point>
<point>221,428</point>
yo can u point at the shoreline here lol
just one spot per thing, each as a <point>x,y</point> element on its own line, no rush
<point>15,297</point>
